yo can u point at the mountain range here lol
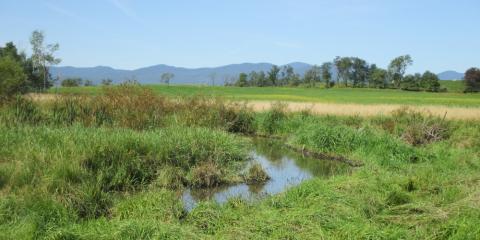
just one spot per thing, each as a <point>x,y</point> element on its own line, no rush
<point>152,74</point>
<point>450,75</point>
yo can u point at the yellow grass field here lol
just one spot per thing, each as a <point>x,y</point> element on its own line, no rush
<point>456,113</point>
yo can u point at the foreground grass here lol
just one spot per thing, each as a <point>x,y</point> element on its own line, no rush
<point>334,95</point>
<point>410,185</point>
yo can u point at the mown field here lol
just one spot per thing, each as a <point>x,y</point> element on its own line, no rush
<point>111,165</point>
<point>335,95</point>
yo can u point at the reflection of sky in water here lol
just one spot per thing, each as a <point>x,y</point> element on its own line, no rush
<point>285,169</point>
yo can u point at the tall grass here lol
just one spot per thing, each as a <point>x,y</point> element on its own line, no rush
<point>110,167</point>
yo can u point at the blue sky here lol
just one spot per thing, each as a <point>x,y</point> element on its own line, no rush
<point>439,35</point>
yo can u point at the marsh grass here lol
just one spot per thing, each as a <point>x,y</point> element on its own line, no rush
<point>256,174</point>
<point>85,168</point>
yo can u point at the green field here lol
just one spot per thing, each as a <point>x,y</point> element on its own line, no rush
<point>334,95</point>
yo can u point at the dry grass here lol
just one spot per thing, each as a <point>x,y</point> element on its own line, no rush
<point>342,109</point>
<point>457,113</point>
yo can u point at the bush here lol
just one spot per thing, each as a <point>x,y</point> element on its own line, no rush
<point>256,174</point>
<point>272,119</point>
<point>420,128</point>
<point>206,174</point>
<point>72,82</point>
<point>12,78</point>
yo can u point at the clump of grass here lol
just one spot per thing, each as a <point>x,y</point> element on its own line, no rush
<point>272,119</point>
<point>121,167</point>
<point>396,198</point>
<point>206,175</point>
<point>170,177</point>
<point>89,201</point>
<point>239,119</point>
<point>421,128</point>
<point>256,174</point>
<point>22,110</point>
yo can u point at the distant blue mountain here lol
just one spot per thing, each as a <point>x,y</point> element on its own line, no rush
<point>182,75</point>
<point>152,74</point>
<point>450,75</point>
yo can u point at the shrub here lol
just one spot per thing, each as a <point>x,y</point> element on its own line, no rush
<point>170,177</point>
<point>206,174</point>
<point>25,111</point>
<point>272,119</point>
<point>121,167</point>
<point>239,119</point>
<point>72,82</point>
<point>12,78</point>
<point>256,174</point>
<point>420,128</point>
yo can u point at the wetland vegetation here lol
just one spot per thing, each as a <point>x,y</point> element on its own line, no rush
<point>116,165</point>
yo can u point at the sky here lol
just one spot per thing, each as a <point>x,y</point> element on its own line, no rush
<point>127,34</point>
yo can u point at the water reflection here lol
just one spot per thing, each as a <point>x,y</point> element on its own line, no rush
<point>285,167</point>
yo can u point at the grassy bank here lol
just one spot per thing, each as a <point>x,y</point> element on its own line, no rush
<point>110,167</point>
<point>334,95</point>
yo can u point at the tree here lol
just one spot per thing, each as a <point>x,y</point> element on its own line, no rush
<point>71,82</point>
<point>42,56</point>
<point>242,80</point>
<point>430,82</point>
<point>166,77</point>
<point>88,83</point>
<point>12,78</point>
<point>262,79</point>
<point>472,80</point>
<point>289,76</point>
<point>412,82</point>
<point>34,80</point>
<point>378,77</point>
<point>312,76</point>
<point>106,81</point>
<point>397,68</point>
<point>273,75</point>
<point>212,76</point>
<point>359,71</point>
<point>326,75</point>
<point>11,51</point>
<point>343,65</point>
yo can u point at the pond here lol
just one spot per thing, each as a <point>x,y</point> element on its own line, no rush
<point>285,167</point>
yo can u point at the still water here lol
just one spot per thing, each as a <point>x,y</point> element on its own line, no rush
<point>285,167</point>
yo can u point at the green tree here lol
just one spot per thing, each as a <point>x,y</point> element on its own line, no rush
<point>326,74</point>
<point>378,78</point>
<point>12,78</point>
<point>166,77</point>
<point>472,80</point>
<point>242,80</point>
<point>289,76</point>
<point>312,76</point>
<point>88,83</point>
<point>343,65</point>
<point>43,57</point>
<point>106,81</point>
<point>359,72</point>
<point>430,82</point>
<point>273,75</point>
<point>71,82</point>
<point>412,82</point>
<point>212,76</point>
<point>397,68</point>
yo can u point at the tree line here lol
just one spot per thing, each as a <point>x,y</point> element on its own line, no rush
<point>20,73</point>
<point>347,72</point>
